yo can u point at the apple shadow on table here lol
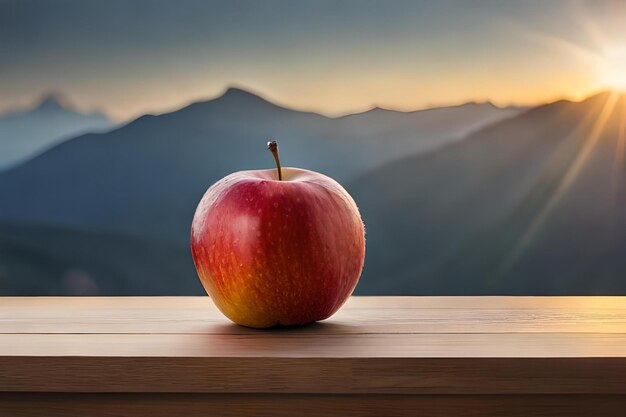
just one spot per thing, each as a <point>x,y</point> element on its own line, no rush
<point>298,341</point>
<point>320,327</point>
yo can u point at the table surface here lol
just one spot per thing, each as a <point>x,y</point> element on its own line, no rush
<point>373,345</point>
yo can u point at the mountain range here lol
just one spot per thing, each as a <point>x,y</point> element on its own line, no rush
<point>470,199</point>
<point>146,178</point>
<point>530,205</point>
<point>26,133</point>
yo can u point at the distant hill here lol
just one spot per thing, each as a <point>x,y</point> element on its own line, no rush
<point>146,178</point>
<point>141,183</point>
<point>44,260</point>
<point>389,134</point>
<point>26,133</point>
<point>529,205</point>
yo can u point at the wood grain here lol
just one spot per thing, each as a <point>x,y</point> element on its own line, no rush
<point>440,355</point>
<point>231,405</point>
<point>376,315</point>
<point>292,344</point>
<point>314,375</point>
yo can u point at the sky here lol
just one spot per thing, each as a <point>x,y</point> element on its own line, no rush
<point>129,58</point>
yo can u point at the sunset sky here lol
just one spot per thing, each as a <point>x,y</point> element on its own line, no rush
<point>132,57</point>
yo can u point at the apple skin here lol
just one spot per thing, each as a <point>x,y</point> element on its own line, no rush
<point>272,252</point>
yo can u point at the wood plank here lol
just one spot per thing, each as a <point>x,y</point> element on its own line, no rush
<point>194,405</point>
<point>378,302</point>
<point>360,315</point>
<point>441,376</point>
<point>315,375</point>
<point>365,321</point>
<point>292,344</point>
<point>375,345</point>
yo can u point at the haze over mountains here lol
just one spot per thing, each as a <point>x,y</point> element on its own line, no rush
<point>146,178</point>
<point>142,182</point>
<point>529,202</point>
<point>529,205</point>
<point>28,132</point>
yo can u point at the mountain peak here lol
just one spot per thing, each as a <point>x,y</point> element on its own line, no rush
<point>53,101</point>
<point>237,92</point>
<point>237,96</point>
<point>605,95</point>
<point>593,99</point>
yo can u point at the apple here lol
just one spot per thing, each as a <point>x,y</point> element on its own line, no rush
<point>280,246</point>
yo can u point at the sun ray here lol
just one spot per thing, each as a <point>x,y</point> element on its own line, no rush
<point>579,51</point>
<point>606,55</point>
<point>588,25</point>
<point>571,174</point>
<point>620,147</point>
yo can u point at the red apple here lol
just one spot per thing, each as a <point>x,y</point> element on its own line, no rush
<point>278,246</point>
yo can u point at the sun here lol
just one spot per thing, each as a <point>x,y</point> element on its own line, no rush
<point>612,68</point>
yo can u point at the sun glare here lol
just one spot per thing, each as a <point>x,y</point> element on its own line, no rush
<point>612,69</point>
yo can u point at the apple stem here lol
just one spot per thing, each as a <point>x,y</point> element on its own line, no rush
<point>273,147</point>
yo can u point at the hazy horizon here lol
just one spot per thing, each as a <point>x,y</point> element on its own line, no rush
<point>132,58</point>
<point>68,103</point>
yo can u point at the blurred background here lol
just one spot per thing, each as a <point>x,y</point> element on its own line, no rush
<point>483,141</point>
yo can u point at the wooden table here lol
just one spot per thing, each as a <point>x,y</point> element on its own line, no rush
<point>378,356</point>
